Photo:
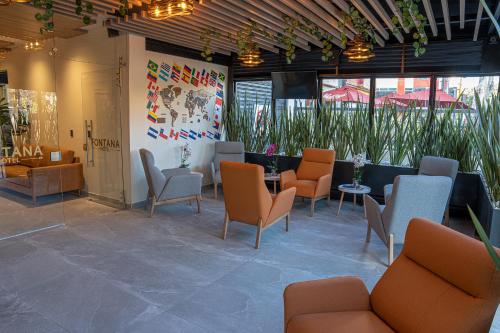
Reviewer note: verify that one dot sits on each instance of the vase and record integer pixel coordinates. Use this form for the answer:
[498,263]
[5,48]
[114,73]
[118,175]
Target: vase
[355,183]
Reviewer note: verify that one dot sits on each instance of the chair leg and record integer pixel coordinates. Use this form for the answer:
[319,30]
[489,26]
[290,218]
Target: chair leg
[368,233]
[198,199]
[287,221]
[391,249]
[226,224]
[148,195]
[259,233]
[312,207]
[153,202]
[215,191]
[447,217]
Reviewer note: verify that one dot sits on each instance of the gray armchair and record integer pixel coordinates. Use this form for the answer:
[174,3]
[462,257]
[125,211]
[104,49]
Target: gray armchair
[169,185]
[433,166]
[226,151]
[413,196]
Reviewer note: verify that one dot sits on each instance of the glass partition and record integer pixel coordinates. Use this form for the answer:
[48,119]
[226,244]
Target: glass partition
[460,90]
[350,92]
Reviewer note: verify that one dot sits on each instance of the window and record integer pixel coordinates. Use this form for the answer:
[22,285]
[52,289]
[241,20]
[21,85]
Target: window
[254,94]
[348,92]
[402,91]
[449,89]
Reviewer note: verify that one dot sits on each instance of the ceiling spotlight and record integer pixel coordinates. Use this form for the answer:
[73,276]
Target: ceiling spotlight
[33,45]
[358,50]
[163,9]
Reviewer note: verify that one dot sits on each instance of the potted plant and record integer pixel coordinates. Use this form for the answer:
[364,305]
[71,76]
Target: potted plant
[185,155]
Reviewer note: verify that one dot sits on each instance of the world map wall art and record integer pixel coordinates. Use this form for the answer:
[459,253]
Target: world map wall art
[183,102]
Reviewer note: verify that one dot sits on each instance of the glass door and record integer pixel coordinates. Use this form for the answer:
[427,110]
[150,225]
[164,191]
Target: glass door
[103,163]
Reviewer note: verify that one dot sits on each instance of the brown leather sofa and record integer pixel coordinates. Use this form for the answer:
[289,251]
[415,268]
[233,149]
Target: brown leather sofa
[38,175]
[443,281]
[247,199]
[313,179]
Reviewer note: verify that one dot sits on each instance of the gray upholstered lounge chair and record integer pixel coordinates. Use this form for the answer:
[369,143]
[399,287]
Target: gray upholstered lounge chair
[226,151]
[413,196]
[169,185]
[433,166]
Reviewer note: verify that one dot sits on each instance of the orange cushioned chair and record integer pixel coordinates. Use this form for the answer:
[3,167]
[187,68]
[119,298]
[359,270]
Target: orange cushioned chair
[248,200]
[443,281]
[314,176]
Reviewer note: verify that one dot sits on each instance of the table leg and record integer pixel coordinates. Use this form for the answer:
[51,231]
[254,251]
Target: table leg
[274,182]
[340,203]
[364,206]
[354,201]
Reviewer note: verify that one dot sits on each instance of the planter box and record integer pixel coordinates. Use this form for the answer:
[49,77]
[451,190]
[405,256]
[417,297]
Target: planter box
[468,189]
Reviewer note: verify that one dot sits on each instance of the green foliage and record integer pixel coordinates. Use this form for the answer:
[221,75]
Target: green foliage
[362,26]
[484,238]
[123,7]
[206,37]
[84,10]
[358,128]
[5,119]
[379,134]
[486,139]
[410,13]
[46,16]
[399,141]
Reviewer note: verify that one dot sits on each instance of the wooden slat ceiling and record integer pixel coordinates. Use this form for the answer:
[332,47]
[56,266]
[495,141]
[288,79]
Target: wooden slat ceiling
[446,19]
[18,21]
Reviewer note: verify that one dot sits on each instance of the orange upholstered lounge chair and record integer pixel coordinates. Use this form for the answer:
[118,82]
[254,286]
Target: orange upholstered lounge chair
[314,176]
[443,281]
[248,200]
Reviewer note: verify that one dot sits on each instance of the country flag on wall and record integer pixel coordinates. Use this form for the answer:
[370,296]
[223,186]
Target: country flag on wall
[216,124]
[165,71]
[152,66]
[218,101]
[202,134]
[192,134]
[184,134]
[152,77]
[186,74]
[210,135]
[152,117]
[204,77]
[176,73]
[220,93]
[195,77]
[217,136]
[213,78]
[174,134]
[162,134]
[222,77]
[153,133]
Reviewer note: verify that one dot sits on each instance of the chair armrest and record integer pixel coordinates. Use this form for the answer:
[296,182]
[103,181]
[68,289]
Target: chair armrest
[286,177]
[326,295]
[323,185]
[175,172]
[374,216]
[182,186]
[282,204]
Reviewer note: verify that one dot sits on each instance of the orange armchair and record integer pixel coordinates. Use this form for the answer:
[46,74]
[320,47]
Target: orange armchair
[314,176]
[247,199]
[443,281]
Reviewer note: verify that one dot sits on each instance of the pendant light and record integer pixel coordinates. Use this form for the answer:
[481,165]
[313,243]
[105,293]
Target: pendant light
[358,50]
[34,45]
[250,57]
[163,9]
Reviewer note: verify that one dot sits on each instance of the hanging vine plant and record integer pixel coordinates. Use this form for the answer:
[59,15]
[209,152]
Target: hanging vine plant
[84,10]
[46,16]
[288,38]
[206,37]
[361,24]
[409,10]
[123,7]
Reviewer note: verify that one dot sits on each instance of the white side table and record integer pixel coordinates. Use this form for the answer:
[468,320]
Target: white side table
[349,188]
[272,178]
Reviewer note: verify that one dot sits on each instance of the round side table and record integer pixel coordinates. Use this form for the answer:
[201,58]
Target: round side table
[349,188]
[272,178]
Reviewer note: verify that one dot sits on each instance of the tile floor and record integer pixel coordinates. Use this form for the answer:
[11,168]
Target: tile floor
[119,271]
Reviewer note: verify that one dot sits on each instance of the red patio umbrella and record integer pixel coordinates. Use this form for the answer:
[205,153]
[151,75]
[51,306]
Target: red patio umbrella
[388,99]
[421,98]
[346,94]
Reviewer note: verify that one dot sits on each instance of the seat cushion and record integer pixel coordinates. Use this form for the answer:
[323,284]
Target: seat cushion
[338,322]
[17,170]
[305,188]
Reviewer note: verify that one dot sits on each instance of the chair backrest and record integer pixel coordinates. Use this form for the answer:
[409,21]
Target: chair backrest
[443,281]
[246,196]
[155,178]
[316,163]
[415,196]
[228,151]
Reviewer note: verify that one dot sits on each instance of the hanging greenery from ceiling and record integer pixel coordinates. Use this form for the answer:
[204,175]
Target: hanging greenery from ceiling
[360,24]
[46,16]
[410,14]
[288,37]
[84,10]
[123,7]
[206,38]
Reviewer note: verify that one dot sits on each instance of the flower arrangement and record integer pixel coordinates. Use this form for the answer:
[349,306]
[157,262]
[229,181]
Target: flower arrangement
[359,162]
[185,155]
[271,149]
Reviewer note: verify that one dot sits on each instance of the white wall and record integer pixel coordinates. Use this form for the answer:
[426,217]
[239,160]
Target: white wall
[166,152]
